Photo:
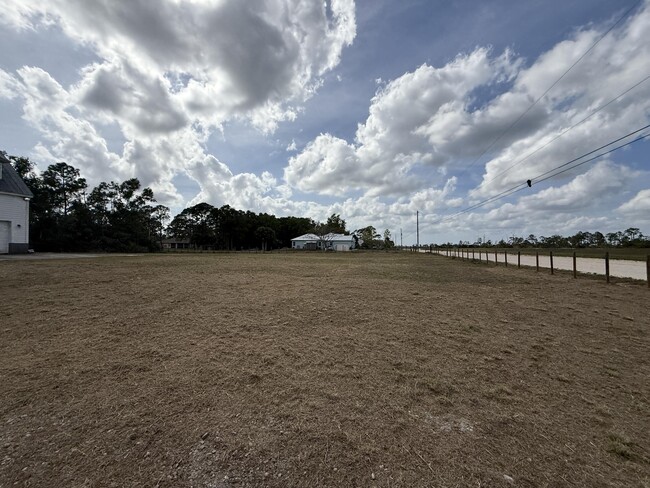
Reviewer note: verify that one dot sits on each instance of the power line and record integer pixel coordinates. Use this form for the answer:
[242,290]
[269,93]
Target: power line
[644,136]
[568,129]
[548,174]
[551,173]
[498,138]
[595,150]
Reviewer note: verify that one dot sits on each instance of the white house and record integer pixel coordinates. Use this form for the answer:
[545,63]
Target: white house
[14,210]
[335,242]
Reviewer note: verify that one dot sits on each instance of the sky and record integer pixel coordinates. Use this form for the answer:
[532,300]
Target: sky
[374,110]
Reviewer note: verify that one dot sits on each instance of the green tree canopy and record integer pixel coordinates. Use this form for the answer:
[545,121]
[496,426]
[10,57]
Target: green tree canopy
[63,185]
[335,224]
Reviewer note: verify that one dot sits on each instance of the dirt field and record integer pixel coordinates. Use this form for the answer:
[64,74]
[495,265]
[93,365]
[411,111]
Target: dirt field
[319,370]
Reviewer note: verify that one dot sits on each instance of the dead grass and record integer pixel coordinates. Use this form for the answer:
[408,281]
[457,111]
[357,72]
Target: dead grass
[319,370]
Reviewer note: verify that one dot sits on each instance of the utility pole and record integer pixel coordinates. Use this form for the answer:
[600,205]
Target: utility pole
[401,242]
[417,223]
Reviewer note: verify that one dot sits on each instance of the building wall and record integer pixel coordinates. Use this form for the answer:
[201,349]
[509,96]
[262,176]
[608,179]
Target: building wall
[15,210]
[342,245]
[301,244]
[335,244]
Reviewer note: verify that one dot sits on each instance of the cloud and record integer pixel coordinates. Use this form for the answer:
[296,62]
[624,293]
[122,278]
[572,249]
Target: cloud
[139,101]
[45,107]
[637,207]
[585,202]
[9,85]
[170,74]
[250,59]
[401,131]
[167,75]
[594,188]
[292,146]
[618,62]
[326,161]
[446,117]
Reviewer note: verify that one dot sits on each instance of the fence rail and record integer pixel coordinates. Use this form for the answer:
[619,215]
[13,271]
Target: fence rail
[620,268]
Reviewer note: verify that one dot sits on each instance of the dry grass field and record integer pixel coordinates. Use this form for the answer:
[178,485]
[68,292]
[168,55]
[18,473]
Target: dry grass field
[298,370]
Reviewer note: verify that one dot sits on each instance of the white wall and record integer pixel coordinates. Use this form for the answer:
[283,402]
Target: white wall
[301,244]
[16,210]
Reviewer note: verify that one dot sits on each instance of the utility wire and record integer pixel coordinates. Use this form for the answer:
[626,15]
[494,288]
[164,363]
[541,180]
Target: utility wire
[551,173]
[523,185]
[538,179]
[567,130]
[498,138]
[595,150]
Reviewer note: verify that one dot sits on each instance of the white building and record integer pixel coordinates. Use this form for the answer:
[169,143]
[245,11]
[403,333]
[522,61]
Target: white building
[334,242]
[14,210]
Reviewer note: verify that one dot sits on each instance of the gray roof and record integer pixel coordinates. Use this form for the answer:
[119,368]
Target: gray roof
[306,237]
[10,182]
[327,237]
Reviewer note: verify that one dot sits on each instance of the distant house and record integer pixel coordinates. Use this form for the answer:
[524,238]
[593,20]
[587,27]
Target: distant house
[334,242]
[14,210]
[174,243]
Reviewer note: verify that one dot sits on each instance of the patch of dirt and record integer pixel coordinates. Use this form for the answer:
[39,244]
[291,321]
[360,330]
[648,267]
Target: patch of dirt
[309,369]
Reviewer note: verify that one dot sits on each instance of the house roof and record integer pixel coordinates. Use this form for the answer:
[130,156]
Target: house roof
[170,240]
[326,237]
[10,182]
[306,237]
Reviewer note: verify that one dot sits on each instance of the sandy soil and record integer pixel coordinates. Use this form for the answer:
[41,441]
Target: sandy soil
[319,370]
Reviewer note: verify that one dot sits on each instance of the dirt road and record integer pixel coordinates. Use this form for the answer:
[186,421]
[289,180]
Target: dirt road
[621,268]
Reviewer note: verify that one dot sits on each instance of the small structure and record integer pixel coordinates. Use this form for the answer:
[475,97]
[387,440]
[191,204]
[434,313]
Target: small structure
[331,241]
[14,210]
[176,243]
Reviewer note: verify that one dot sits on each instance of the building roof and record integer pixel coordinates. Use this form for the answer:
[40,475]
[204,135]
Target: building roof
[327,237]
[10,182]
[176,240]
[306,237]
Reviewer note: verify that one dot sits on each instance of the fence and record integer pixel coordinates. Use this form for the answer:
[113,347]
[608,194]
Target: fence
[602,266]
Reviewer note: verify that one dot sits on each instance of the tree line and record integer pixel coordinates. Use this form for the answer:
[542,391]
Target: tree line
[204,226]
[631,237]
[65,216]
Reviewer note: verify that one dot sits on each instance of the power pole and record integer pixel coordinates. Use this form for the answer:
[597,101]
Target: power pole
[401,242]
[417,223]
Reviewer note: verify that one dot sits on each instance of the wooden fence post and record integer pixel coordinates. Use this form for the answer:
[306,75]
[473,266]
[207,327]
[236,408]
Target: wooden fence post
[607,266]
[647,269]
[537,261]
[575,267]
[550,255]
[506,258]
[518,259]
[496,258]
[472,254]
